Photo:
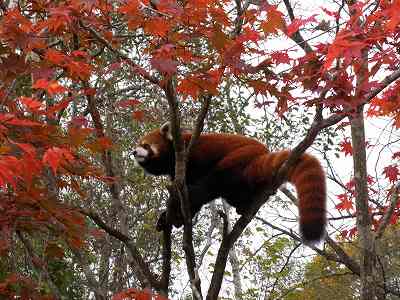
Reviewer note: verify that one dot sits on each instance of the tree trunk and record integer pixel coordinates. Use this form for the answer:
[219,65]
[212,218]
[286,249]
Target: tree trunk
[367,249]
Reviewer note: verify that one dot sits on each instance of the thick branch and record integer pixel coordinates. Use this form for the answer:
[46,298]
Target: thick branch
[180,188]
[166,260]
[297,37]
[343,256]
[199,123]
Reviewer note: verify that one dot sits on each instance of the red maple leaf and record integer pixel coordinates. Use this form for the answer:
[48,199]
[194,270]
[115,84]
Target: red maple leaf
[79,69]
[391,172]
[346,147]
[9,170]
[188,87]
[345,203]
[138,115]
[51,87]
[56,57]
[164,65]
[128,103]
[344,46]
[297,23]
[274,20]
[54,156]
[396,155]
[280,57]
[58,107]
[31,104]
[157,26]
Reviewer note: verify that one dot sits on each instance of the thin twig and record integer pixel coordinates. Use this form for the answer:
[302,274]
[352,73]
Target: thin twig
[385,220]
[120,54]
[39,265]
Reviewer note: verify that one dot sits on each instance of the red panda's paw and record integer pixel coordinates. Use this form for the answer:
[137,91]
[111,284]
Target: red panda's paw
[166,220]
[162,223]
[175,218]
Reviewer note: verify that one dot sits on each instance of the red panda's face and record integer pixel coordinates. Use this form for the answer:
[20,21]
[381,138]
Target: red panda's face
[154,152]
[146,150]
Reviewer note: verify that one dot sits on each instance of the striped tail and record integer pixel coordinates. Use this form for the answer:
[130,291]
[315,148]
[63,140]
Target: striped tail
[309,179]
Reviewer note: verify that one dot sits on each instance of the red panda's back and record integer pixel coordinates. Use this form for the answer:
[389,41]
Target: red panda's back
[216,146]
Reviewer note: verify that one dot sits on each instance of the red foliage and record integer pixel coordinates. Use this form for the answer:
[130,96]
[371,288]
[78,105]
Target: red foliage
[346,147]
[18,287]
[345,203]
[391,172]
[297,23]
[48,58]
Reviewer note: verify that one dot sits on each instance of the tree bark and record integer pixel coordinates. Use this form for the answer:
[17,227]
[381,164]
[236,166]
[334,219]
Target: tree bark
[234,260]
[367,248]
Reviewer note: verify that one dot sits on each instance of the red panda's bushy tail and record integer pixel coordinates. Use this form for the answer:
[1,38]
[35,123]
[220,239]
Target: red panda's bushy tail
[308,177]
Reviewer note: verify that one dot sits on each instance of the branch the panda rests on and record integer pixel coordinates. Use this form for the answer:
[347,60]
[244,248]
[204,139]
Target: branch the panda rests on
[236,168]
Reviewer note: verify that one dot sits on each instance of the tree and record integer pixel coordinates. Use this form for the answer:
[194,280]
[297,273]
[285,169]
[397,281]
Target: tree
[80,80]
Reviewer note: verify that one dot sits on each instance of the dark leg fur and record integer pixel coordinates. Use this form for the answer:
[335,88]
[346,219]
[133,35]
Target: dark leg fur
[199,194]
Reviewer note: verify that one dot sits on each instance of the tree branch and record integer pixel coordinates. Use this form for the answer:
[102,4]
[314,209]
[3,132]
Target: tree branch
[145,276]
[119,54]
[297,37]
[385,220]
[199,123]
[341,256]
[39,264]
[166,259]
[180,189]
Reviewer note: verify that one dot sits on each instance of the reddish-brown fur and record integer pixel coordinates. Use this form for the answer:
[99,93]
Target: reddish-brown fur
[236,168]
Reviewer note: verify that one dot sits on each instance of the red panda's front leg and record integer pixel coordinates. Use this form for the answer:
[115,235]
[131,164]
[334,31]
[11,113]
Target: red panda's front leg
[198,194]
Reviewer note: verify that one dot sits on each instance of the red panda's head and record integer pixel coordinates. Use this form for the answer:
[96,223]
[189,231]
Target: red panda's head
[155,151]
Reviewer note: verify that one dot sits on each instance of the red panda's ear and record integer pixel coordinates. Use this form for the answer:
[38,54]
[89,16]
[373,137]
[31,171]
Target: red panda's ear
[165,130]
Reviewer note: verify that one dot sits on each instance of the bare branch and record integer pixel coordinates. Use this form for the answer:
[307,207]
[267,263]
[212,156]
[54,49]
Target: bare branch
[289,256]
[145,276]
[233,258]
[199,123]
[98,290]
[208,235]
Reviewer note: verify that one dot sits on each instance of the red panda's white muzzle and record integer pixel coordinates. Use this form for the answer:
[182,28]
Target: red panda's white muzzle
[141,154]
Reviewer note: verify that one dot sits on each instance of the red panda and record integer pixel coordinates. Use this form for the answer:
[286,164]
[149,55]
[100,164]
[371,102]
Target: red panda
[235,168]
